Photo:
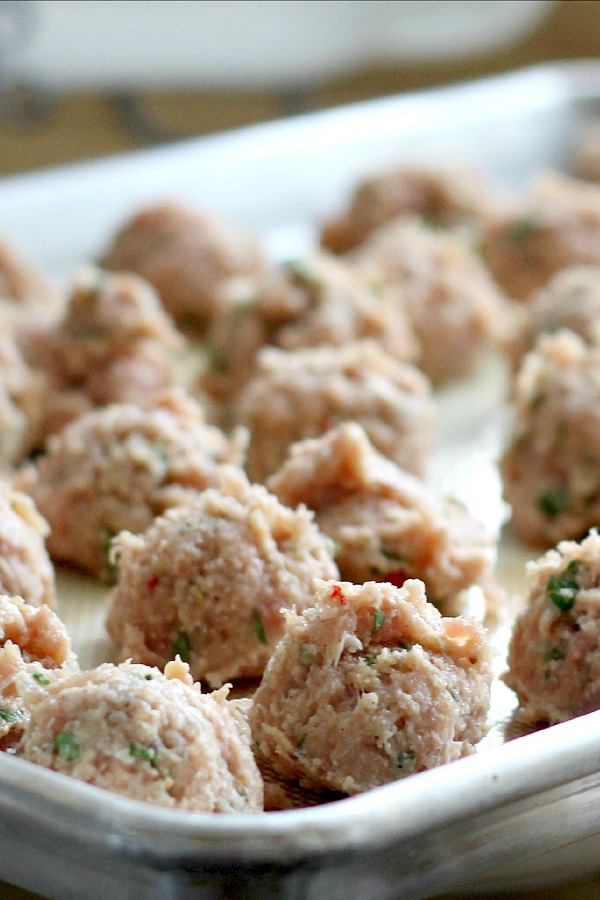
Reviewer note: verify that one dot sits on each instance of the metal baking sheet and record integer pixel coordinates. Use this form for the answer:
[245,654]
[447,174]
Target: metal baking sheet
[518,814]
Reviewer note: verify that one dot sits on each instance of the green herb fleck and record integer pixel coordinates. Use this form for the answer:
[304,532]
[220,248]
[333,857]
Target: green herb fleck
[305,655]
[563,588]
[181,646]
[522,229]
[41,678]
[302,274]
[258,627]
[390,554]
[301,741]
[369,660]
[554,653]
[553,502]
[406,759]
[10,715]
[148,754]
[107,535]
[216,359]
[66,746]
[404,645]
[378,620]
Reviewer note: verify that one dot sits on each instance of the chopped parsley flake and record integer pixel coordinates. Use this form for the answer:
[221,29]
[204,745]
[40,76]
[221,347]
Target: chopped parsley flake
[406,760]
[378,620]
[522,229]
[563,588]
[10,715]
[553,502]
[258,627]
[41,678]
[369,660]
[181,647]
[66,746]
[216,359]
[301,741]
[138,751]
[305,655]
[554,653]
[112,561]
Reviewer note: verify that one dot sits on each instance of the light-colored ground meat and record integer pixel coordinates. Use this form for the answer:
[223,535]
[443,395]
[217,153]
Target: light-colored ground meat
[132,730]
[585,159]
[25,567]
[554,655]
[187,254]
[370,684]
[113,344]
[444,198]
[20,282]
[386,524]
[118,467]
[557,228]
[571,299]
[315,301]
[456,310]
[35,651]
[21,400]
[303,393]
[550,465]
[208,581]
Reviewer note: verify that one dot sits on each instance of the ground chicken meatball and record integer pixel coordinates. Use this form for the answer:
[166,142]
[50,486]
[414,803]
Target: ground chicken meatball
[386,524]
[559,227]
[554,654]
[187,255]
[20,282]
[118,467]
[303,393]
[549,467]
[443,198]
[112,345]
[35,651]
[456,310]
[208,580]
[315,301]
[370,684]
[132,730]
[571,299]
[25,567]
[585,163]
[21,393]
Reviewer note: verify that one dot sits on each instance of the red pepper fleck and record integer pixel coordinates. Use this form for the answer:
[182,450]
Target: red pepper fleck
[338,594]
[152,582]
[396,578]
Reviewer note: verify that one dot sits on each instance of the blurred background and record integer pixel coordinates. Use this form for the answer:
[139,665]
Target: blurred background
[85,79]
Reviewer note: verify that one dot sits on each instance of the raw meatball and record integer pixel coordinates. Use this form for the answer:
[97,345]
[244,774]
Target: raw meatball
[456,310]
[550,465]
[386,524]
[21,392]
[586,153]
[25,567]
[314,301]
[443,198]
[112,345]
[187,255]
[571,299]
[132,730]
[559,227]
[20,282]
[34,652]
[370,684]
[208,580]
[118,467]
[554,654]
[303,393]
